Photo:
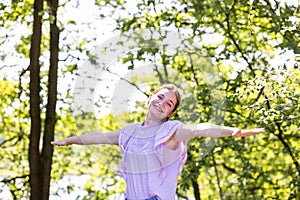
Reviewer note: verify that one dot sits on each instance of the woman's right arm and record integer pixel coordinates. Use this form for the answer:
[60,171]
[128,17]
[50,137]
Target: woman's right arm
[90,138]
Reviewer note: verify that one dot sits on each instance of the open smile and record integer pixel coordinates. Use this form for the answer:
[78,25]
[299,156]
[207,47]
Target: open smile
[158,108]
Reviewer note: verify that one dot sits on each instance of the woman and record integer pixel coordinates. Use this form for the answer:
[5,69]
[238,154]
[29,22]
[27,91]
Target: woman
[155,151]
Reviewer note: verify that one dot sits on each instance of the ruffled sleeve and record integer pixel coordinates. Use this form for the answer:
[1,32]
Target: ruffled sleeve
[166,155]
[171,162]
[168,130]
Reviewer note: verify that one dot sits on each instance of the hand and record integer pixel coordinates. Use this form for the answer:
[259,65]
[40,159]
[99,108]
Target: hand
[243,133]
[64,142]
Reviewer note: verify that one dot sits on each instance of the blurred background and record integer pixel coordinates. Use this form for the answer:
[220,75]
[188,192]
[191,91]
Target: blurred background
[64,66]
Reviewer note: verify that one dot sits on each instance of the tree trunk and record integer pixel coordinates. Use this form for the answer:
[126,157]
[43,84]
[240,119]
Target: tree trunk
[50,121]
[40,163]
[34,86]
[196,189]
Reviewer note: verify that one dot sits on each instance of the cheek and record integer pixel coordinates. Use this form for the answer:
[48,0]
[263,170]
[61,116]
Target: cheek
[150,100]
[170,110]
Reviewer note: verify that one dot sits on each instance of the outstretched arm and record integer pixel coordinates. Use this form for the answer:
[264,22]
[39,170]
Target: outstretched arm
[190,131]
[90,138]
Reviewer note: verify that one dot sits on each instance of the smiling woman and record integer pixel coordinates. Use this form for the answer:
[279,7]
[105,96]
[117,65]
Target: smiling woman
[155,150]
[165,99]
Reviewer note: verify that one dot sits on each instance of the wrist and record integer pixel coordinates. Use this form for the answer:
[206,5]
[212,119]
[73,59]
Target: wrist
[235,132]
[72,140]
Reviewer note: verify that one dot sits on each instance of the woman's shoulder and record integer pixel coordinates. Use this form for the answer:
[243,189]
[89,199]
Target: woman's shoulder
[171,123]
[167,131]
[129,128]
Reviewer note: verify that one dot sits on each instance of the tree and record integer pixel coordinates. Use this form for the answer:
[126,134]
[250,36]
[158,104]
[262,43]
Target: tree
[35,131]
[43,96]
[40,162]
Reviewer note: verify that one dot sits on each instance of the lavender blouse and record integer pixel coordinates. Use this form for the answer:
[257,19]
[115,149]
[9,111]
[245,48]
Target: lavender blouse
[149,167]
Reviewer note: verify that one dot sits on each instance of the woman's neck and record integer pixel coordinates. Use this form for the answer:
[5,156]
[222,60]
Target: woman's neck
[152,120]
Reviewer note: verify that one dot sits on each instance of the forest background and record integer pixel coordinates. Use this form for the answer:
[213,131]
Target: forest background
[237,63]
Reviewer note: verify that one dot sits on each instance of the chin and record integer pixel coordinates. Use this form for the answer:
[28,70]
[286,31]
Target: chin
[157,115]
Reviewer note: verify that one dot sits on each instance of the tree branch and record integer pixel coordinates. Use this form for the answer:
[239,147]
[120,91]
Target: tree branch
[8,180]
[217,175]
[236,44]
[127,81]
[193,71]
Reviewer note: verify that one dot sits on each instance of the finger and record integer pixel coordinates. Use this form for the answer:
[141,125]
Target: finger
[57,144]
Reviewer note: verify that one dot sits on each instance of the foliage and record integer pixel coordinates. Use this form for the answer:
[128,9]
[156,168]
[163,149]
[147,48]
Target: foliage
[242,39]
[238,42]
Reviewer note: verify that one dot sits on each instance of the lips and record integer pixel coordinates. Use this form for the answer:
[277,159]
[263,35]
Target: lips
[157,107]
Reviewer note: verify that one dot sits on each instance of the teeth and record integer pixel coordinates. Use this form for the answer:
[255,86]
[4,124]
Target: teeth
[158,108]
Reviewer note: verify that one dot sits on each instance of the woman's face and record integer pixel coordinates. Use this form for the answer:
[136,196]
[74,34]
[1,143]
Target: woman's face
[162,103]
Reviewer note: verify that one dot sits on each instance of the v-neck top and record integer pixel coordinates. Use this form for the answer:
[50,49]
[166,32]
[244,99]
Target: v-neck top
[149,167]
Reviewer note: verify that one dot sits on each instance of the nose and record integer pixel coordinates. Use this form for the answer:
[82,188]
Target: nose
[162,103]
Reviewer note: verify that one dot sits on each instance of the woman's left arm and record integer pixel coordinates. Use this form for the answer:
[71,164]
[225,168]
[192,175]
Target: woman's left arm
[189,131]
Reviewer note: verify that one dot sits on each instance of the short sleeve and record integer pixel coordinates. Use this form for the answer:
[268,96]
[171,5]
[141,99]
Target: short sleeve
[168,130]
[166,155]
